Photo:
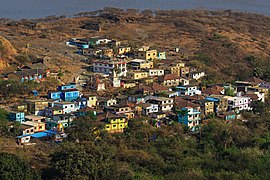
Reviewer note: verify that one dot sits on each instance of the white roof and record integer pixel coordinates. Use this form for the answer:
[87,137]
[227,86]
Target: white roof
[138,60]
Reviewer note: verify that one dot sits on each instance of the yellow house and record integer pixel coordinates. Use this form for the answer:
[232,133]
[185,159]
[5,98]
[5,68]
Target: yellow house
[21,107]
[129,84]
[159,115]
[137,75]
[116,124]
[171,67]
[207,107]
[38,126]
[147,55]
[123,50]
[107,51]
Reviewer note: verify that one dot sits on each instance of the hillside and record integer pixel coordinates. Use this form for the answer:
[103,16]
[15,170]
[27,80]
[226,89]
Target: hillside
[220,42]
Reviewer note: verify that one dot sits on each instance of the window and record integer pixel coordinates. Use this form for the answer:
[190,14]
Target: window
[114,125]
[65,106]
[40,127]
[71,105]
[32,130]
[107,126]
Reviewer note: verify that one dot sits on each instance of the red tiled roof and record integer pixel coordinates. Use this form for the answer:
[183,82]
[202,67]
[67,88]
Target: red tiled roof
[159,87]
[170,77]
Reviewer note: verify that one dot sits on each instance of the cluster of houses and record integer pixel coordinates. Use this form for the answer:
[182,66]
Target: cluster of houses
[143,84]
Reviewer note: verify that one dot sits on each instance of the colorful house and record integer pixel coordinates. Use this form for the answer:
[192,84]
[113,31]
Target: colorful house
[137,64]
[66,92]
[17,116]
[29,75]
[51,111]
[189,116]
[135,75]
[37,126]
[116,124]
[147,55]
[207,106]
[228,116]
[123,49]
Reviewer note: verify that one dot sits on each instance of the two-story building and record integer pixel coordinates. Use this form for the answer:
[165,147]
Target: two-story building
[137,64]
[207,107]
[37,106]
[66,92]
[114,123]
[148,54]
[123,49]
[164,104]
[17,116]
[110,67]
[239,103]
[189,117]
[187,90]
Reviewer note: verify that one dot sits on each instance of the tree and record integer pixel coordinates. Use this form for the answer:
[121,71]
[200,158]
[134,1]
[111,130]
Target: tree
[12,167]
[77,161]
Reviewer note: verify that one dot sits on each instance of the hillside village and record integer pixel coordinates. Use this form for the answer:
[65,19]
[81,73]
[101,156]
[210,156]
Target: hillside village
[123,83]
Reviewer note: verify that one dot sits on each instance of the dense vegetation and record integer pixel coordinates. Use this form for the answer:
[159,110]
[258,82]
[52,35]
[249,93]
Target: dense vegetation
[219,151]
[236,150]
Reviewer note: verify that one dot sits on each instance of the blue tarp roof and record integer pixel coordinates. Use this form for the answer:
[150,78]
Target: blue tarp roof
[40,134]
[212,99]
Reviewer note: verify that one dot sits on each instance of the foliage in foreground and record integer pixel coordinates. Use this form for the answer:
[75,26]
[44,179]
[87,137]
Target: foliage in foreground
[218,151]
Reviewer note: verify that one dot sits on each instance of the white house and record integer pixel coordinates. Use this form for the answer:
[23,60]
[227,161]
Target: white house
[108,66]
[164,104]
[148,108]
[156,72]
[196,74]
[239,103]
[68,107]
[187,90]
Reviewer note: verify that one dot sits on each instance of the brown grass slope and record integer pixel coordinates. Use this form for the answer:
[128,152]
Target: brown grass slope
[216,41]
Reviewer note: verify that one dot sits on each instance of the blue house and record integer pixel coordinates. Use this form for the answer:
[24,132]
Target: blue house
[65,92]
[70,95]
[228,116]
[54,95]
[66,87]
[17,116]
[189,117]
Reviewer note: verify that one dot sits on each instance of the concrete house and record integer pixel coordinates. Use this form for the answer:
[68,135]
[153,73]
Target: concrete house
[239,103]
[17,116]
[189,117]
[187,90]
[164,104]
[170,80]
[123,49]
[155,72]
[37,107]
[135,75]
[110,66]
[148,108]
[137,64]
[147,55]
[207,107]
[196,75]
